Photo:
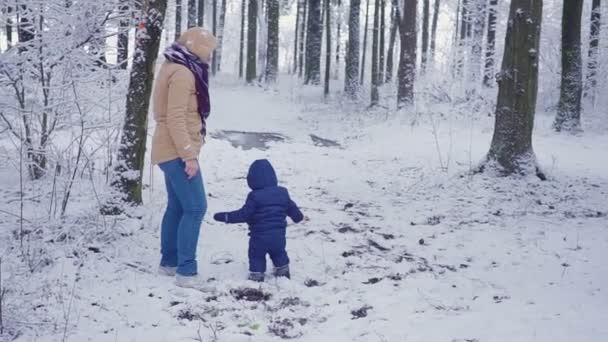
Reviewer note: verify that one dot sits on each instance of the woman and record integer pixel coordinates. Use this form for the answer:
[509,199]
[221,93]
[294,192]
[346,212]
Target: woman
[181,106]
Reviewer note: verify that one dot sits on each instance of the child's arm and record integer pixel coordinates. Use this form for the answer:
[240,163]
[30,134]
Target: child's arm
[294,212]
[242,215]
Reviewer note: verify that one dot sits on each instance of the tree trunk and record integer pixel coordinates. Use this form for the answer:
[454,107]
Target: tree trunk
[351,83]
[382,57]
[242,41]
[375,95]
[488,75]
[191,13]
[178,18]
[132,150]
[511,149]
[594,43]
[478,15]
[201,13]
[220,46]
[214,30]
[303,36]
[9,26]
[434,27]
[296,36]
[313,43]
[391,43]
[272,53]
[327,48]
[462,37]
[252,34]
[569,108]
[407,54]
[425,35]
[365,29]
[123,37]
[338,36]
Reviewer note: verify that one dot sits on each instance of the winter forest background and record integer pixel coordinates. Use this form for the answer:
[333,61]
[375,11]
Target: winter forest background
[451,156]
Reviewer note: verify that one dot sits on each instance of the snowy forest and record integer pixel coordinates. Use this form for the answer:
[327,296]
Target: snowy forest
[449,159]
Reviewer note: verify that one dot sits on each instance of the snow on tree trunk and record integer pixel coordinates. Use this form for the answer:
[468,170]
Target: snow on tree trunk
[132,150]
[569,107]
[375,95]
[488,75]
[8,12]
[462,25]
[425,35]
[390,60]
[220,46]
[351,82]
[434,28]
[242,40]
[407,54]
[511,148]
[296,35]
[478,17]
[252,34]
[365,31]
[272,53]
[594,43]
[303,36]
[123,36]
[191,13]
[313,43]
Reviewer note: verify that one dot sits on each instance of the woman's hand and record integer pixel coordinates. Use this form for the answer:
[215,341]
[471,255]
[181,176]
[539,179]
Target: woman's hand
[191,168]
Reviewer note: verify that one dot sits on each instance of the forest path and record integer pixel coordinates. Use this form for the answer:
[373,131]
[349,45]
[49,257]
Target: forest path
[397,249]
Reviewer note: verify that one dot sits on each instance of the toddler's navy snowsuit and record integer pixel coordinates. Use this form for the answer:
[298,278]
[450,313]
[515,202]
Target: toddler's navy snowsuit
[265,212]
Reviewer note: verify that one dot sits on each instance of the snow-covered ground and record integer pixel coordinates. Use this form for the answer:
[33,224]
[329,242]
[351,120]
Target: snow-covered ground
[403,244]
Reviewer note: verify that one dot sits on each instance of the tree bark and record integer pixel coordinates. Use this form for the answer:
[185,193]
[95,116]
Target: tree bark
[478,16]
[407,54]
[296,36]
[214,30]
[488,75]
[242,41]
[191,13]
[327,48]
[569,108]
[131,153]
[425,35]
[511,149]
[201,13]
[313,43]
[303,36]
[9,26]
[434,28]
[338,36]
[391,43]
[594,43]
[375,95]
[272,52]
[462,37]
[252,33]
[382,57]
[178,19]
[365,31]
[351,83]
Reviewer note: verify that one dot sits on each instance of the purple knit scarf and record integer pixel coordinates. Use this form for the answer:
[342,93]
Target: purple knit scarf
[178,54]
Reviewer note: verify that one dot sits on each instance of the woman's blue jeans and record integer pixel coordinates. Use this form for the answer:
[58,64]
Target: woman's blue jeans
[186,207]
